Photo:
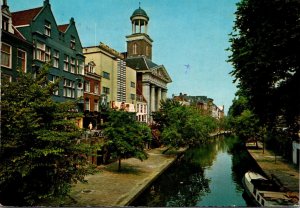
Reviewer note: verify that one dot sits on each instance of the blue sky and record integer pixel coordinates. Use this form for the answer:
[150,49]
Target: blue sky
[185,32]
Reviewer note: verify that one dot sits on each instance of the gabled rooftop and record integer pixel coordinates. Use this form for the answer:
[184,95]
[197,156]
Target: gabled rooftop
[25,17]
[63,28]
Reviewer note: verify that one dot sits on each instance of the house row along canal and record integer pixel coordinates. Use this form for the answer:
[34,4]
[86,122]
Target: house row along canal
[210,175]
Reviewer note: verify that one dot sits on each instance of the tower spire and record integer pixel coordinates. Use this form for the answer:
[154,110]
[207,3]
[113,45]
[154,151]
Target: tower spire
[139,4]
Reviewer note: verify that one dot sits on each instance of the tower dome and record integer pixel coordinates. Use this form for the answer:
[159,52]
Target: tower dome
[139,13]
[139,20]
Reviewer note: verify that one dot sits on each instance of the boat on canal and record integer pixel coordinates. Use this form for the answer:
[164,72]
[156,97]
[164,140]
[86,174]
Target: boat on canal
[264,192]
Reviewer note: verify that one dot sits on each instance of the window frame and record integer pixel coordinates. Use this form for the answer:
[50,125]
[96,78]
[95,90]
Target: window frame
[73,65]
[40,50]
[96,88]
[69,88]
[9,55]
[47,54]
[96,105]
[56,59]
[132,84]
[106,90]
[87,86]
[25,59]
[66,63]
[47,28]
[87,104]
[106,75]
[73,42]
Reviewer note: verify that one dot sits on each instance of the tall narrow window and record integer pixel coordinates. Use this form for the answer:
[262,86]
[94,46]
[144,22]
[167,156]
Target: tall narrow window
[134,51]
[47,30]
[52,79]
[66,63]
[56,59]
[6,55]
[40,51]
[79,90]
[80,67]
[147,50]
[73,65]
[96,88]
[48,54]
[72,42]
[96,105]
[87,104]
[87,86]
[22,60]
[5,23]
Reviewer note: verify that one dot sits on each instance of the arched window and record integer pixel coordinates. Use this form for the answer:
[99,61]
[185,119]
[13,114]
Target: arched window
[134,51]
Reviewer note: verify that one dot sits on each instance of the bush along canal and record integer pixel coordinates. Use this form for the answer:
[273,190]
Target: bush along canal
[210,175]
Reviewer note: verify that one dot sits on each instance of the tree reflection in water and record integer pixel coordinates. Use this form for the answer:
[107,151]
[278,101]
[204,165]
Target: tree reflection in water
[186,184]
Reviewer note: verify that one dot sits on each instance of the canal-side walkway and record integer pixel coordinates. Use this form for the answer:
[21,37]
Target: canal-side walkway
[275,167]
[112,188]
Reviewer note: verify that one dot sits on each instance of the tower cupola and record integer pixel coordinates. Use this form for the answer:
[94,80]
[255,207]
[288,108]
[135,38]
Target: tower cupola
[139,20]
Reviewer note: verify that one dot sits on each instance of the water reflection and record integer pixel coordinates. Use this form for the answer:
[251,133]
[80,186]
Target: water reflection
[209,175]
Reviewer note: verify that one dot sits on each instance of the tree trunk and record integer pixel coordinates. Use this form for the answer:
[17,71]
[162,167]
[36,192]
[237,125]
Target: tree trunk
[119,167]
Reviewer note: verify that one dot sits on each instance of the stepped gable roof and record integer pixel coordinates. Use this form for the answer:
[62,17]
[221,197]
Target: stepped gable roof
[63,28]
[25,17]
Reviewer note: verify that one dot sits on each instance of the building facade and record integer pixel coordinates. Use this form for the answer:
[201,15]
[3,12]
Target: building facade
[118,83]
[152,79]
[16,51]
[91,98]
[57,44]
[203,104]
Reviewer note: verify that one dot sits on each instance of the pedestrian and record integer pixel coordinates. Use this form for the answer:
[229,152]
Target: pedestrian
[90,126]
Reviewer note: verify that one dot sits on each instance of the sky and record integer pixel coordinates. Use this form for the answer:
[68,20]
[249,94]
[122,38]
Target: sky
[190,37]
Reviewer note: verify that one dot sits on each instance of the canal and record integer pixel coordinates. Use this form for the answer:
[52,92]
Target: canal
[209,175]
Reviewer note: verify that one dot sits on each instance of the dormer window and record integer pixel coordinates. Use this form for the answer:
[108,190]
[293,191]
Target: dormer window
[72,43]
[5,23]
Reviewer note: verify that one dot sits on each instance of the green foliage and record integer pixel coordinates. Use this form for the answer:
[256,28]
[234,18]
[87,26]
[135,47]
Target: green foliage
[39,151]
[182,125]
[246,124]
[126,137]
[265,56]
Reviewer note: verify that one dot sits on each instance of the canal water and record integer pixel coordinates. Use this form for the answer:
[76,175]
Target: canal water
[209,175]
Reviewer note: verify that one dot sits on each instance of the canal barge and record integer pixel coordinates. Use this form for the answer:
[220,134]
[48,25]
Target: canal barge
[264,192]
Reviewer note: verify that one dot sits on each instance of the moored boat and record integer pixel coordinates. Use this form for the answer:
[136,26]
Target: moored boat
[264,192]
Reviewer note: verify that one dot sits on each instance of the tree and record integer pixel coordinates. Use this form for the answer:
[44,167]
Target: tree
[39,151]
[182,126]
[125,136]
[265,56]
